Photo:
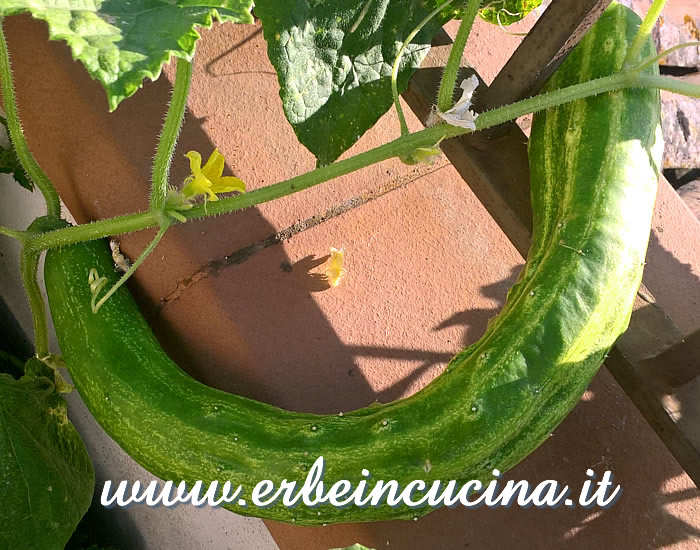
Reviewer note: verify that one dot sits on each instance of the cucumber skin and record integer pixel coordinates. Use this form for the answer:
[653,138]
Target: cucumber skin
[522,378]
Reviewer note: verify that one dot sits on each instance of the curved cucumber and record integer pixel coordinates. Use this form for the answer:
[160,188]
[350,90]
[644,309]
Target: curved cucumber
[594,173]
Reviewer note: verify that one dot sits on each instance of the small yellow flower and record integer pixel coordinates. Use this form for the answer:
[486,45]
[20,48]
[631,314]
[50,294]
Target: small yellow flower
[335,271]
[207,180]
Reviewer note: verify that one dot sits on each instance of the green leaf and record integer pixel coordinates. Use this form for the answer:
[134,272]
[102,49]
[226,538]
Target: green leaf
[507,12]
[334,60]
[47,477]
[9,163]
[121,42]
[356,546]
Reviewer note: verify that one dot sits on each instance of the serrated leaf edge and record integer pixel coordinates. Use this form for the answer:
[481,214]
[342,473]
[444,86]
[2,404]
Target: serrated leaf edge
[152,71]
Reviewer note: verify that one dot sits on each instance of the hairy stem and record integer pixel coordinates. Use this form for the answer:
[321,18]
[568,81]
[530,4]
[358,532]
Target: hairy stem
[29,264]
[21,236]
[397,148]
[14,127]
[407,144]
[454,61]
[397,63]
[94,230]
[169,135]
[555,97]
[643,33]
[649,62]
[670,84]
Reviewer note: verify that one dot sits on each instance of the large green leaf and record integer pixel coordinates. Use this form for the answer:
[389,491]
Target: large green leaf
[46,475]
[334,61]
[121,42]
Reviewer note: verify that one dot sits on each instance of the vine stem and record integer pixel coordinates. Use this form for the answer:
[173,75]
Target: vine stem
[94,230]
[666,53]
[397,63]
[397,148]
[454,61]
[21,236]
[14,127]
[169,135]
[29,265]
[150,248]
[670,84]
[643,33]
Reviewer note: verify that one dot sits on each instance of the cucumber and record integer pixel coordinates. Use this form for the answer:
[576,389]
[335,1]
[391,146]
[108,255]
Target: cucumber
[594,169]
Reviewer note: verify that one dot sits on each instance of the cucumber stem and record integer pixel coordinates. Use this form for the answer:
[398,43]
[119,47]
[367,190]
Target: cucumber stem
[650,61]
[169,135]
[397,63]
[14,128]
[29,265]
[407,144]
[669,84]
[643,33]
[93,230]
[397,148]
[454,61]
[21,236]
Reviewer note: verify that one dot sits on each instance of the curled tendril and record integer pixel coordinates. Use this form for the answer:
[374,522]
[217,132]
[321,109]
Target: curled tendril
[498,19]
[96,283]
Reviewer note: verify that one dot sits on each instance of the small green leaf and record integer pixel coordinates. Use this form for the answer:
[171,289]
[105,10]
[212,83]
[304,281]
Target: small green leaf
[9,163]
[356,546]
[47,477]
[334,60]
[507,12]
[121,42]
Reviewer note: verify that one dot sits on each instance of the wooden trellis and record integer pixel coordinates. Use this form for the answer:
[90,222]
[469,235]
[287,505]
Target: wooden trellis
[654,364]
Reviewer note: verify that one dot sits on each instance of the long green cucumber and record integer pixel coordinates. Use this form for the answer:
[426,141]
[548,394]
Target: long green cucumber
[594,169]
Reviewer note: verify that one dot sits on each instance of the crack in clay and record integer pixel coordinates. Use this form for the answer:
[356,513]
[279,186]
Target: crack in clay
[214,267]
